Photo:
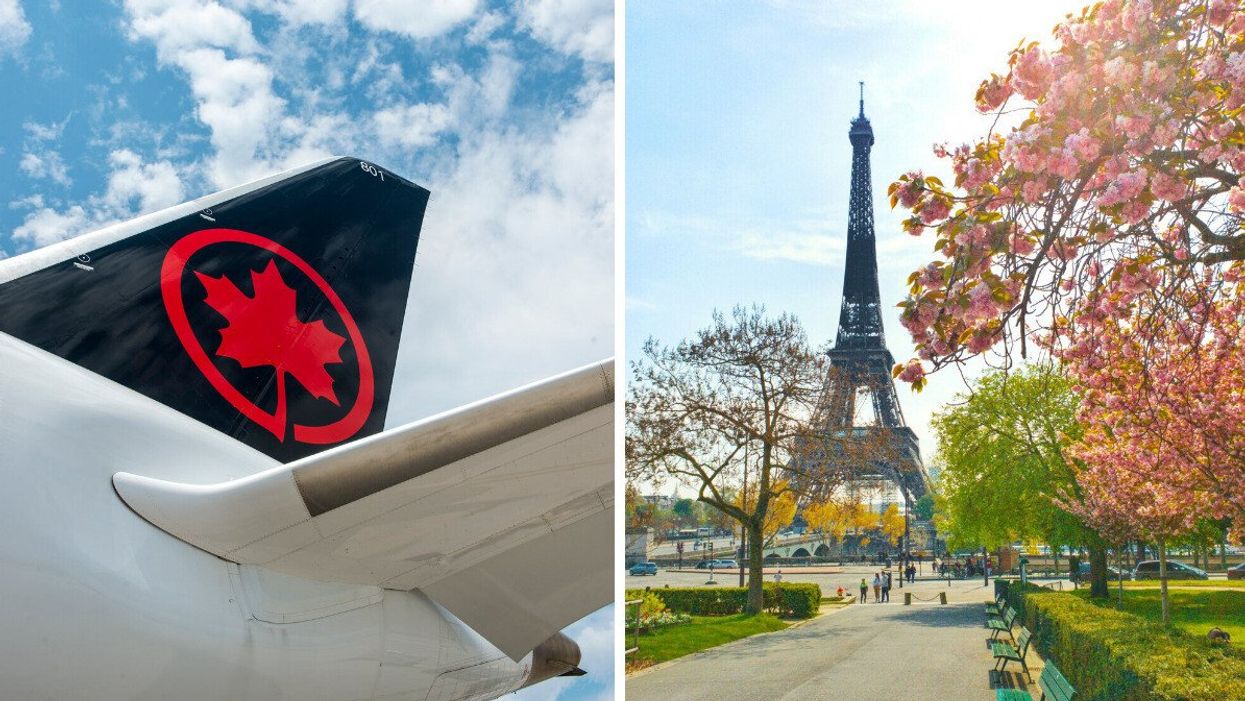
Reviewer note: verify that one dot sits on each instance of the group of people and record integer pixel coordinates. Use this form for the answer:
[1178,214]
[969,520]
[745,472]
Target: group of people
[881,588]
[968,567]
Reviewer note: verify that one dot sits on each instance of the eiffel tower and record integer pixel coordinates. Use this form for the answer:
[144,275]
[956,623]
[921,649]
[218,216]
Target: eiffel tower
[858,399]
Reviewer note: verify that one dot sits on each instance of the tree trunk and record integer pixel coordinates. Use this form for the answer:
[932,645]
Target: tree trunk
[1098,588]
[756,574]
[1122,549]
[1163,581]
[985,566]
[1223,549]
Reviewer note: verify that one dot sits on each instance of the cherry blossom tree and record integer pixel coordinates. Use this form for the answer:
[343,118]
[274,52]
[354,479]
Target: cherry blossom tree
[1127,162]
[1106,227]
[1162,403]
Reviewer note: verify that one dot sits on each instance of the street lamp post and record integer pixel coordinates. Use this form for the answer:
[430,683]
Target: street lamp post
[743,552]
[903,561]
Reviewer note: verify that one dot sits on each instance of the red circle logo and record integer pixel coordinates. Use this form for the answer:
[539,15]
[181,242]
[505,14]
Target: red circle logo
[263,330]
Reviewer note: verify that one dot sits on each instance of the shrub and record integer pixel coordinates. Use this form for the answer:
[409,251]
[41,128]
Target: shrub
[798,600]
[651,606]
[1110,655]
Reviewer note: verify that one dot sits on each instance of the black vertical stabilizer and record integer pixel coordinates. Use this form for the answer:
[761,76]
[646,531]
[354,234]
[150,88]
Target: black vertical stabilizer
[273,315]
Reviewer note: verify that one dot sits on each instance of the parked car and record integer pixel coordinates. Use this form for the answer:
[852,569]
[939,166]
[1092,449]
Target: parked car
[1149,569]
[717,565]
[642,568]
[1237,572]
[1113,573]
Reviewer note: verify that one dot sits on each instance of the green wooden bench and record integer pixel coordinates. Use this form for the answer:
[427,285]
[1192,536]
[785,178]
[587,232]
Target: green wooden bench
[995,608]
[1052,682]
[1006,652]
[1002,625]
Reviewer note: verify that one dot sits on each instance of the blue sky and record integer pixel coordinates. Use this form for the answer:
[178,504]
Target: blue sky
[506,112]
[738,162]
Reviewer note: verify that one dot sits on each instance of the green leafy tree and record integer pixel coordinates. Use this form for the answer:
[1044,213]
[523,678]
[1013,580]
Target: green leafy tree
[685,513]
[1006,473]
[924,508]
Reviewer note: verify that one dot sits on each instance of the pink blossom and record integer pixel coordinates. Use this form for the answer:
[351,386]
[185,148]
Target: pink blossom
[993,92]
[1022,245]
[935,210]
[1124,188]
[912,372]
[1118,70]
[1083,145]
[1032,73]
[910,191]
[1236,199]
[1135,211]
[1166,187]
[1219,11]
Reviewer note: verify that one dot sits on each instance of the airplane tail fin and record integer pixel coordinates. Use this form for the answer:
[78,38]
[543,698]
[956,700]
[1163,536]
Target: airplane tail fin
[271,312]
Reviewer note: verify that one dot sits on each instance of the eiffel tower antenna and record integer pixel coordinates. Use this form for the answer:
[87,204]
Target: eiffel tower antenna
[862,99]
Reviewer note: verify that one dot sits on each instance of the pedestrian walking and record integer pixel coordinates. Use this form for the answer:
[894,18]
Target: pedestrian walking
[886,586]
[877,587]
[778,577]
[864,591]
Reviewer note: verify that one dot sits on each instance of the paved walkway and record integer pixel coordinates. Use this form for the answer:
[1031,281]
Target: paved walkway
[865,652]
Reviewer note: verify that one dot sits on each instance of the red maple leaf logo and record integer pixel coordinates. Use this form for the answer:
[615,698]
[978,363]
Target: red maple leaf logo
[265,330]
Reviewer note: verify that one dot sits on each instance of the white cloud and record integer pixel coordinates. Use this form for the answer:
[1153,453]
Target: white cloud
[810,241]
[795,246]
[234,95]
[134,187]
[176,25]
[297,12]
[418,20]
[137,187]
[48,166]
[583,27]
[14,29]
[236,101]
[45,132]
[514,277]
[411,126]
[45,226]
[484,27]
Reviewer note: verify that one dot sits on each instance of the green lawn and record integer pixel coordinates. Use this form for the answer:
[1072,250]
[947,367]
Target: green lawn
[1185,583]
[1195,611]
[703,632]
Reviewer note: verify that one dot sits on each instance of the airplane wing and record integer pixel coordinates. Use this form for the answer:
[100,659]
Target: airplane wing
[501,510]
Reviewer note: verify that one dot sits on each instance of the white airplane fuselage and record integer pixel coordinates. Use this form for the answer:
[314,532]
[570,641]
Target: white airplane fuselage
[97,603]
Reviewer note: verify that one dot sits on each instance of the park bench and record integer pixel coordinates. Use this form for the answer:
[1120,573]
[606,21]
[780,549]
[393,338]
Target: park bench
[1007,652]
[1052,682]
[995,608]
[1002,625]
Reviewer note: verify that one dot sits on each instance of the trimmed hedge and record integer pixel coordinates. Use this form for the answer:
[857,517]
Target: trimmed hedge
[795,600]
[1109,655]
